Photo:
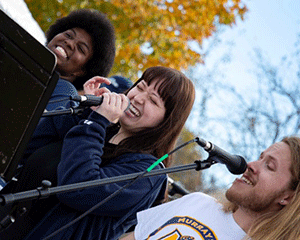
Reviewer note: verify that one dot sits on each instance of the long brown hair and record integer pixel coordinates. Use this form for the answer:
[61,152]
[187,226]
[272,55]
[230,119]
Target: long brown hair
[178,93]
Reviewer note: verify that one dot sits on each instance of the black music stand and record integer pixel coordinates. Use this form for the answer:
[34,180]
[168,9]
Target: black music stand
[27,79]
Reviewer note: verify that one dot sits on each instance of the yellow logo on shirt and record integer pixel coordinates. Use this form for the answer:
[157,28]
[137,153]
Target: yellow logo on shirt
[186,228]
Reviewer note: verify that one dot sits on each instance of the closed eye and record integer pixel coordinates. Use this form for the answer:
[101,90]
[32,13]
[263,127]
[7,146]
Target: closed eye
[70,33]
[153,101]
[81,49]
[139,87]
[270,165]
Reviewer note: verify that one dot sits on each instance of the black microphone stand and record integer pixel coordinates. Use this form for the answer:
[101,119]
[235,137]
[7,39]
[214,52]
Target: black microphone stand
[45,190]
[69,111]
[84,102]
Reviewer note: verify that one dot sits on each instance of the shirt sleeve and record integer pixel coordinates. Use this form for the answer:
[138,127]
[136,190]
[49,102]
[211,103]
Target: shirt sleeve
[60,98]
[81,162]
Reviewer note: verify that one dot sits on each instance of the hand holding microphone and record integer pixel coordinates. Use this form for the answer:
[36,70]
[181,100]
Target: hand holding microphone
[93,92]
[113,106]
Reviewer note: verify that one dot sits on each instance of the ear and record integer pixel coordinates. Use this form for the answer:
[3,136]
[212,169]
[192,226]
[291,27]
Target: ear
[286,198]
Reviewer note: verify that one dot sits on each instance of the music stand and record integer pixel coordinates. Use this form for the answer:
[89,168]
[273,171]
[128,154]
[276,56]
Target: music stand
[27,79]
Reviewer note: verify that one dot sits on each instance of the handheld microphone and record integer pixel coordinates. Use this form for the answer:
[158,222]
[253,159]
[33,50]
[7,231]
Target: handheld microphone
[88,100]
[91,100]
[234,163]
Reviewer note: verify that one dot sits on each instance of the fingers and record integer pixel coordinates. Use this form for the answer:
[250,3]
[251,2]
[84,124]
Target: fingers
[96,81]
[125,102]
[92,85]
[102,90]
[113,106]
[116,100]
[128,103]
[89,86]
[99,80]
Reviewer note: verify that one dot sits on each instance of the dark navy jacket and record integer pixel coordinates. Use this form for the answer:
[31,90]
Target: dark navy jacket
[54,128]
[81,161]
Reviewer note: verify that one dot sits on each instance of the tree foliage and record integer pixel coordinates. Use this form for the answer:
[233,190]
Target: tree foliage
[188,155]
[154,32]
[150,32]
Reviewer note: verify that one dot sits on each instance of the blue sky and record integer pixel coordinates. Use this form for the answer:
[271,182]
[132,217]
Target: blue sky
[270,25]
[19,12]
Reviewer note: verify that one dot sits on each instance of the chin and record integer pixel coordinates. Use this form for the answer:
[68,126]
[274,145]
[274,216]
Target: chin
[232,192]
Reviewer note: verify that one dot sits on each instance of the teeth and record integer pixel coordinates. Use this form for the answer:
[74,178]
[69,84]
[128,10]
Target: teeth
[62,51]
[246,181]
[134,110]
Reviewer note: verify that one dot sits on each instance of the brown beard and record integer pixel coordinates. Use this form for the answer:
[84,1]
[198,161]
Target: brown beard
[252,202]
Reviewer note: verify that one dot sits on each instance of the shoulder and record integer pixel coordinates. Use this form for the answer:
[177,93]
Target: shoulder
[195,198]
[202,196]
[66,87]
[137,157]
[192,200]
[140,160]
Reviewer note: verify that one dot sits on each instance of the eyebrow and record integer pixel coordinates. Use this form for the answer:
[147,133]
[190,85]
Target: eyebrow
[156,95]
[146,85]
[273,158]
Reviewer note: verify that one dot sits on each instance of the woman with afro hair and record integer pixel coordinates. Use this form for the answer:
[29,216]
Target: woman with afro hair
[84,45]
[102,40]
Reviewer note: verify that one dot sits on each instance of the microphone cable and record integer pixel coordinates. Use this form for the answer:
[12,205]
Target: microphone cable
[118,191]
[60,100]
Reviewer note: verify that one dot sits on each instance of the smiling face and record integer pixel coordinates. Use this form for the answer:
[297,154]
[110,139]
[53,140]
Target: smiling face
[265,186]
[147,109]
[73,48]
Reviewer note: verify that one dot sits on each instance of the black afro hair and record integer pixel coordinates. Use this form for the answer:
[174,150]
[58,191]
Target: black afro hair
[102,31]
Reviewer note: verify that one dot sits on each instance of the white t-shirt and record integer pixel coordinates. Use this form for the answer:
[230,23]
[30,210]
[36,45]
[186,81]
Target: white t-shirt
[193,216]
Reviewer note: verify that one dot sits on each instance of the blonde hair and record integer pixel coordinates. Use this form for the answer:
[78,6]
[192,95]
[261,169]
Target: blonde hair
[284,224]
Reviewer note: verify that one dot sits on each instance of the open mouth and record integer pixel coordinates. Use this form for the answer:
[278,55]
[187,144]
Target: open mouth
[61,51]
[134,111]
[246,181]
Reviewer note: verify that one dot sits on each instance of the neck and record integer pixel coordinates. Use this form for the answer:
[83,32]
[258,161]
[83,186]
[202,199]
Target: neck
[245,218]
[119,136]
[68,78]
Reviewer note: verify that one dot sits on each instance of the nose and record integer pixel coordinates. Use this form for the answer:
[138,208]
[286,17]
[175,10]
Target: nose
[140,97]
[253,166]
[70,43]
